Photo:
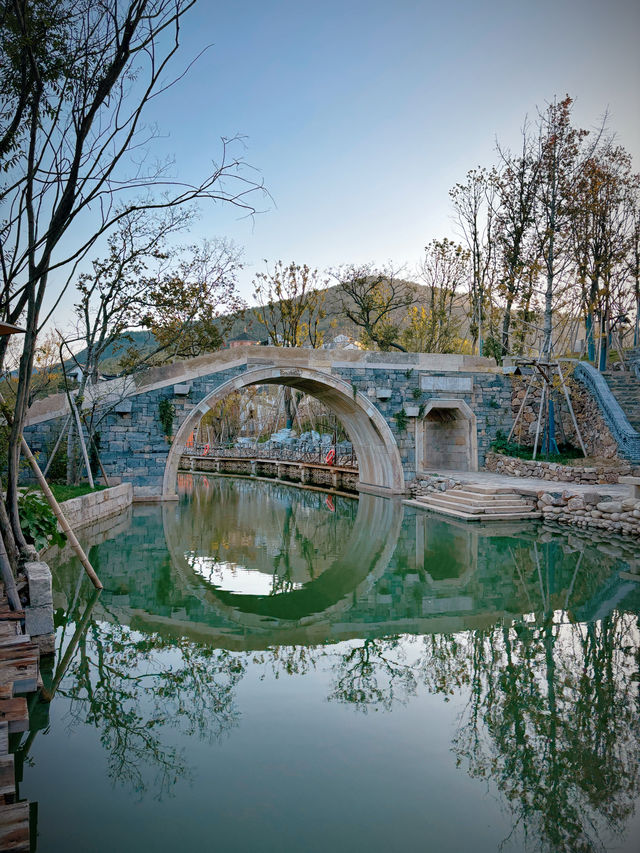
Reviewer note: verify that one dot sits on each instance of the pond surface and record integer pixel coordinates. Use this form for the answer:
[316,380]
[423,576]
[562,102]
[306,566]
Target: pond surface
[275,669]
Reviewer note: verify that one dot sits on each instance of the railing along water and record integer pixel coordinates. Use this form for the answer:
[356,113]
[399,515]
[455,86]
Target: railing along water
[319,455]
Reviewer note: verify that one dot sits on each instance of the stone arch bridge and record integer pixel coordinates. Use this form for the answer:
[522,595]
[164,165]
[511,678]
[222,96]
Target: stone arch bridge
[453,405]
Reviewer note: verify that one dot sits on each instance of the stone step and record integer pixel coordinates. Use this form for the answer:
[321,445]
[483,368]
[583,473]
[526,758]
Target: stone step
[472,500]
[465,516]
[505,497]
[486,489]
[472,509]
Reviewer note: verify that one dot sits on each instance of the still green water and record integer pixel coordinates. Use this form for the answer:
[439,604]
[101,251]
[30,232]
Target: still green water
[274,669]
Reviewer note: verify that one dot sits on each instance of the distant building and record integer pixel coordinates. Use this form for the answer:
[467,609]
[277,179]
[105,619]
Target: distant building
[342,342]
[243,339]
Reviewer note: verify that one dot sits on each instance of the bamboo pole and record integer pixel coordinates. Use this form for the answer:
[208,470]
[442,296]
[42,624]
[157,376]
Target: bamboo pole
[83,446]
[57,445]
[97,449]
[55,506]
[62,667]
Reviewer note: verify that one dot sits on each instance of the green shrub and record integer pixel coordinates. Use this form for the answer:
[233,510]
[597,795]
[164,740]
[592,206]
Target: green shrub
[38,522]
[567,453]
[401,420]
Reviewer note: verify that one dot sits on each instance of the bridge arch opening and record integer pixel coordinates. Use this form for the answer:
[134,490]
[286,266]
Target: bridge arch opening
[379,465]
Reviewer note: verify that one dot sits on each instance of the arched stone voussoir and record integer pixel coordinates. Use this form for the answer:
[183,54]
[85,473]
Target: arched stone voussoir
[380,467]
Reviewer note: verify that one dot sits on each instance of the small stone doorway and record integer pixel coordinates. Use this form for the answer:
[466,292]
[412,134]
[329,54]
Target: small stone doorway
[446,437]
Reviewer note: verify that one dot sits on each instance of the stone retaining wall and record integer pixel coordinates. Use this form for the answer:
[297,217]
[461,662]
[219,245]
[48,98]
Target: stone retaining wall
[514,467]
[592,511]
[88,509]
[432,483]
[596,435]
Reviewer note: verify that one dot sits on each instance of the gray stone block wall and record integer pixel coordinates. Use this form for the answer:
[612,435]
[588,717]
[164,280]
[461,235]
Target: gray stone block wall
[134,448]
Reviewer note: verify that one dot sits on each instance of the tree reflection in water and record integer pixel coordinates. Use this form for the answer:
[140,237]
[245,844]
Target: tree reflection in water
[130,686]
[551,717]
[544,676]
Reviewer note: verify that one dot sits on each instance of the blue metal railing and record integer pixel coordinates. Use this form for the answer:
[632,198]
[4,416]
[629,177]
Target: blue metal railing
[627,439]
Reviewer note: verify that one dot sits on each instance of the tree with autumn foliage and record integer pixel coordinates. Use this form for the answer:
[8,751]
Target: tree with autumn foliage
[291,304]
[76,79]
[603,232]
[435,324]
[374,300]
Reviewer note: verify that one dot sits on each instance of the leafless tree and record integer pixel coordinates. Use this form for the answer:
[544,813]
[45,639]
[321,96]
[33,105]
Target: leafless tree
[371,298]
[77,76]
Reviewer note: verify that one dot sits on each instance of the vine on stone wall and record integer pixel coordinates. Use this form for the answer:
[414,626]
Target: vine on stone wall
[166,413]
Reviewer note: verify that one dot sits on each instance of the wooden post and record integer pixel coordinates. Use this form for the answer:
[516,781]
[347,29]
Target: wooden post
[64,524]
[522,405]
[535,445]
[8,578]
[85,455]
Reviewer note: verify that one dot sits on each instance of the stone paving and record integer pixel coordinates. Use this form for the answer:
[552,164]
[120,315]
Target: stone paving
[533,485]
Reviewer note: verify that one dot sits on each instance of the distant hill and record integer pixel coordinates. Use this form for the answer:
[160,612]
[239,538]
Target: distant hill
[335,323]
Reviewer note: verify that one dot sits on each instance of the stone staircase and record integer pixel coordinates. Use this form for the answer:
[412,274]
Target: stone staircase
[625,387]
[479,503]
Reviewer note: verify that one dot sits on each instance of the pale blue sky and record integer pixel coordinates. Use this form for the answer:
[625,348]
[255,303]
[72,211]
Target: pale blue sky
[361,115]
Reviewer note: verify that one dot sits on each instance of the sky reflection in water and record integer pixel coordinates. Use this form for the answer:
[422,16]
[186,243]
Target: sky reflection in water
[266,670]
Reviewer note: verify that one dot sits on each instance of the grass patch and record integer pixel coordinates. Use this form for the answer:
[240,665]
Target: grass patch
[65,493]
[567,455]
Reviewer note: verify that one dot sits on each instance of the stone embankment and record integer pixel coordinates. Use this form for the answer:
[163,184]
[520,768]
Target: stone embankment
[87,509]
[587,475]
[591,510]
[435,483]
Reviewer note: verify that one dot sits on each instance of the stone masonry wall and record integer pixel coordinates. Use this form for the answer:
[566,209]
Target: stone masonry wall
[592,511]
[134,448]
[514,467]
[595,433]
[87,509]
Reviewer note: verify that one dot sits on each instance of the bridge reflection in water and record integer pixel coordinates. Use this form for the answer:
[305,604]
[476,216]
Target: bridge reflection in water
[252,564]
[535,631]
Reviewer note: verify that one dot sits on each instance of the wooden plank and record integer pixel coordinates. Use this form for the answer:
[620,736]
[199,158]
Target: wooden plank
[21,650]
[12,616]
[9,629]
[14,828]
[14,640]
[16,714]
[4,738]
[6,691]
[7,776]
[22,671]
